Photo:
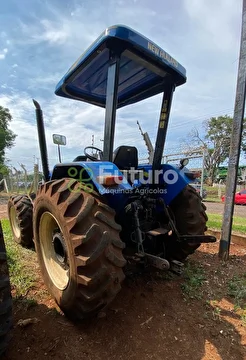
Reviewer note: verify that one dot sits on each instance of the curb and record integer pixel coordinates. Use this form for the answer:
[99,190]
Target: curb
[235,238]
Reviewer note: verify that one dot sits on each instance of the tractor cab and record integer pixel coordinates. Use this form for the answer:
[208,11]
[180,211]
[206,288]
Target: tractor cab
[121,68]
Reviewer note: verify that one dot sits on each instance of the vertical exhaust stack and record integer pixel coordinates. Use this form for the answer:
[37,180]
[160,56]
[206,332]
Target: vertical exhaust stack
[42,140]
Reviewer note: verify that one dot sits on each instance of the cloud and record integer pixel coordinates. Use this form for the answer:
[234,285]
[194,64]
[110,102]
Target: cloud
[52,33]
[3,53]
[57,29]
[62,116]
[216,22]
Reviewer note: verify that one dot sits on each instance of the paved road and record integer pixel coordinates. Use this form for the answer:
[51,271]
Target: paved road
[218,208]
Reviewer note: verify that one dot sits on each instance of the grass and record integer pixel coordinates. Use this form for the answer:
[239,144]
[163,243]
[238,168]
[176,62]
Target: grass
[212,199]
[21,265]
[194,277]
[214,193]
[237,290]
[215,222]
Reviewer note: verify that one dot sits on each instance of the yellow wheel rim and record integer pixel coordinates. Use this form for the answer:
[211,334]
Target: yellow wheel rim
[15,222]
[54,251]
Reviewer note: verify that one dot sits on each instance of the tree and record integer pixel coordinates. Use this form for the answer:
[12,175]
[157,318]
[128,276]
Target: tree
[216,141]
[7,136]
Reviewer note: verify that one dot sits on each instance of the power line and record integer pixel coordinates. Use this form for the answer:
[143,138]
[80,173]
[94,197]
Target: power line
[181,122]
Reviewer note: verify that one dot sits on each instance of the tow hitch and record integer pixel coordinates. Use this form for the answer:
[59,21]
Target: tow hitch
[141,255]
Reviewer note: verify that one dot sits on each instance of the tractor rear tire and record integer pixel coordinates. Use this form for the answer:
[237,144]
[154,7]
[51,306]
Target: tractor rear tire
[189,214]
[20,212]
[78,247]
[6,320]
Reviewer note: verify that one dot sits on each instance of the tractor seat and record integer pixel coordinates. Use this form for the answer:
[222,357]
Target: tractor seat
[126,157]
[80,158]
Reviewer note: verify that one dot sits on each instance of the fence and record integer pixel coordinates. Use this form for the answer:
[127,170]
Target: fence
[21,181]
[196,162]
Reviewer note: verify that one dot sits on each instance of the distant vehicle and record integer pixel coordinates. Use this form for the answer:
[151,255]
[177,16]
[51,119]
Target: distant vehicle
[240,197]
[197,187]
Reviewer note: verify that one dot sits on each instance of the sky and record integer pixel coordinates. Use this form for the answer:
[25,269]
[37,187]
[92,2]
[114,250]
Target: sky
[40,40]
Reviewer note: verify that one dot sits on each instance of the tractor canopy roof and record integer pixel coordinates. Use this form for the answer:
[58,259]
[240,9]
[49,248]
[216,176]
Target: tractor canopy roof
[144,69]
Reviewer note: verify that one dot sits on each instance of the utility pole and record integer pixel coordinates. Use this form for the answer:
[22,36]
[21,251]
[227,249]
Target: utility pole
[203,167]
[35,178]
[11,179]
[17,179]
[235,146]
[25,174]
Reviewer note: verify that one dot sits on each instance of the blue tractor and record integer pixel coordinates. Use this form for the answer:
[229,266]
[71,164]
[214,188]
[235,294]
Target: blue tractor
[94,215]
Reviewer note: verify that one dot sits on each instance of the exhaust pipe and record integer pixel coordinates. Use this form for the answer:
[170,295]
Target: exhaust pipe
[42,140]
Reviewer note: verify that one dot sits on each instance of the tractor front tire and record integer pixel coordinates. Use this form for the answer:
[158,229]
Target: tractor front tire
[6,320]
[20,211]
[78,247]
[189,214]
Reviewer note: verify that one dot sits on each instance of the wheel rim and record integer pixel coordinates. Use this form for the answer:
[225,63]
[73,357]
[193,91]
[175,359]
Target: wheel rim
[54,251]
[15,222]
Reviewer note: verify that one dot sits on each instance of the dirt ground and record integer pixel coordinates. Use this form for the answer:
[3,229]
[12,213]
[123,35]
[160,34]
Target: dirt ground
[150,319]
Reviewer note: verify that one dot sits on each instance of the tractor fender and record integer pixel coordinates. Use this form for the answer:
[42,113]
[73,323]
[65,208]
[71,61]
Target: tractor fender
[90,175]
[171,180]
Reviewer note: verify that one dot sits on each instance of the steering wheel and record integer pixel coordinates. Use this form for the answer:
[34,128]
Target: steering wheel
[91,157]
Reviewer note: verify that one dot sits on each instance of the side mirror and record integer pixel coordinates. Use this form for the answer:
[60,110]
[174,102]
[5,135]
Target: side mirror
[59,139]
